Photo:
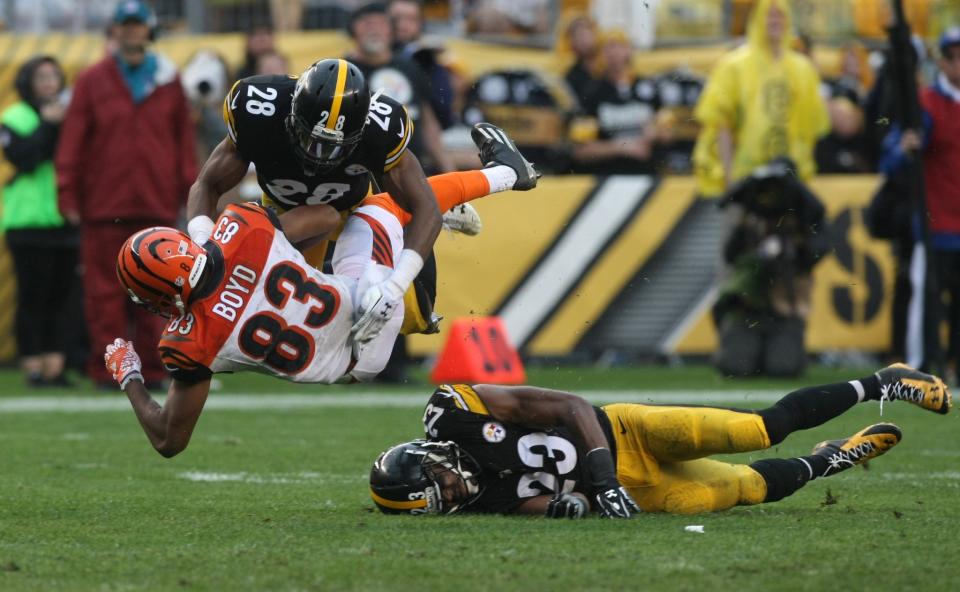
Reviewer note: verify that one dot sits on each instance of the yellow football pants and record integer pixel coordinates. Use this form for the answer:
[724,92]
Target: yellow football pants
[661,450]
[417,309]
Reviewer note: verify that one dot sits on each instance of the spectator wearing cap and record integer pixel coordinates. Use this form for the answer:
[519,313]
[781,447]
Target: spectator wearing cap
[399,78]
[125,161]
[939,142]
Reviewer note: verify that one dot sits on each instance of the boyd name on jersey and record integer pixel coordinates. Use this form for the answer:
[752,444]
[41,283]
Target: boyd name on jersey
[265,309]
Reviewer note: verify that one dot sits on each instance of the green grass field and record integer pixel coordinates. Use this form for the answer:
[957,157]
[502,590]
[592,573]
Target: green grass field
[277,500]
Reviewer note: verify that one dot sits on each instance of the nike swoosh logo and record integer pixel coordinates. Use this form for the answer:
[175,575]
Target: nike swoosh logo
[233,103]
[402,128]
[623,428]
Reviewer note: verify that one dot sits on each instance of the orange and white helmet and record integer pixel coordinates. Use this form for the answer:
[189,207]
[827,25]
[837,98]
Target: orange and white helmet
[159,268]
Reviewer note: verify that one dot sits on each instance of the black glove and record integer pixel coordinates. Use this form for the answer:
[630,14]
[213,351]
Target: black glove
[612,499]
[567,505]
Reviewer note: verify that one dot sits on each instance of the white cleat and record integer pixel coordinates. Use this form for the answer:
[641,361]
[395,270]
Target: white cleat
[463,219]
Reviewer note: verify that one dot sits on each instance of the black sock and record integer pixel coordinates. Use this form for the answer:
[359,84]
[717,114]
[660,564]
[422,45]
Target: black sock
[871,388]
[809,407]
[784,476]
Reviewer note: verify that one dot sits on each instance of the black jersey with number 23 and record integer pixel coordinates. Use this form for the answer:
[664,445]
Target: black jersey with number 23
[516,462]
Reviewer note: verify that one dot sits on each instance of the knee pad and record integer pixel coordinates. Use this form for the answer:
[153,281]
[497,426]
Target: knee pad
[689,498]
[753,489]
[721,487]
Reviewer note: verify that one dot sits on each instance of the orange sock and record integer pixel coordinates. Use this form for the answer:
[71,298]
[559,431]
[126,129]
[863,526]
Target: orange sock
[451,189]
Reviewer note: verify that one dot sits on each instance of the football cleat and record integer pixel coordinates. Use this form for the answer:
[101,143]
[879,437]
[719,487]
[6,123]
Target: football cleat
[464,219]
[900,382]
[496,148]
[433,325]
[866,444]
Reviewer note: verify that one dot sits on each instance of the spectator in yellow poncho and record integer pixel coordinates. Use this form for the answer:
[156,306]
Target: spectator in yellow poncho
[762,101]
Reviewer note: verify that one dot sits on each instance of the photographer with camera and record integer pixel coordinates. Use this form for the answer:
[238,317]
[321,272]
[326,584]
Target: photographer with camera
[764,303]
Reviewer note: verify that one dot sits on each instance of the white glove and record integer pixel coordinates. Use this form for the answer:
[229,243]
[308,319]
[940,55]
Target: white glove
[123,362]
[377,306]
[379,301]
[200,228]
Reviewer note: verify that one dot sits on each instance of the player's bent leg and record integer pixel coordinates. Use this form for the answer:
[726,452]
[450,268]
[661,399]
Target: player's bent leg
[372,234]
[701,485]
[452,189]
[672,433]
[784,476]
[812,406]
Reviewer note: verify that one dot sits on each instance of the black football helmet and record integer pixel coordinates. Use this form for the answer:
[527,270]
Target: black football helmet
[410,478]
[328,113]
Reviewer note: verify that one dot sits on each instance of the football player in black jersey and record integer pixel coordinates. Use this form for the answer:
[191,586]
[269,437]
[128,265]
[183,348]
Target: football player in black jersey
[529,450]
[319,139]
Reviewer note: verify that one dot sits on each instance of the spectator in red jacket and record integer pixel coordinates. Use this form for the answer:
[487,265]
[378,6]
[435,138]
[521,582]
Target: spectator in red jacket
[125,161]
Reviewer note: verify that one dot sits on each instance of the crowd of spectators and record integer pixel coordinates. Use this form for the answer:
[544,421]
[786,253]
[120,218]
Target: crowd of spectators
[135,130]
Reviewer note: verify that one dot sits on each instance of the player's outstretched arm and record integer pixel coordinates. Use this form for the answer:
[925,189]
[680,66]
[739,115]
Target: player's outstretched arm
[168,426]
[544,408]
[224,169]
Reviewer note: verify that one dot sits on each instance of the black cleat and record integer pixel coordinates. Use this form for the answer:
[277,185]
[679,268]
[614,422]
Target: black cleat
[496,148]
[868,443]
[900,382]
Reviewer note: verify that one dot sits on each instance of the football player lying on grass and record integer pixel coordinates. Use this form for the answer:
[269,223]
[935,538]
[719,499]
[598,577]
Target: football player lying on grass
[248,300]
[528,450]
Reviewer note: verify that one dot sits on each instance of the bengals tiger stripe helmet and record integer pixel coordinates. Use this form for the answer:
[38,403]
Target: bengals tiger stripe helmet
[159,268]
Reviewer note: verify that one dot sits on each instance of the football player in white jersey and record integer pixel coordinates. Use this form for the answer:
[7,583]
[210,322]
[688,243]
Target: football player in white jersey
[248,300]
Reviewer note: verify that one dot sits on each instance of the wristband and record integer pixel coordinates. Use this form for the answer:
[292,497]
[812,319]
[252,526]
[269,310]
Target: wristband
[408,266]
[200,228]
[129,377]
[601,469]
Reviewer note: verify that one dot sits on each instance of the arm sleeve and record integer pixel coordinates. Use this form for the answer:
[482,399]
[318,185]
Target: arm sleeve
[182,367]
[69,160]
[25,153]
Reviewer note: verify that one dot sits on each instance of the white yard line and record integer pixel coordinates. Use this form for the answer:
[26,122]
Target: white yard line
[266,401]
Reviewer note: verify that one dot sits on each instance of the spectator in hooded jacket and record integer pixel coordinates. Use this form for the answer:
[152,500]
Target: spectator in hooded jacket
[126,160]
[761,102]
[42,244]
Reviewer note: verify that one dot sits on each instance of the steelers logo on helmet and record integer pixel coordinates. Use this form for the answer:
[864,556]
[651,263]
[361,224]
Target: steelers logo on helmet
[159,268]
[327,114]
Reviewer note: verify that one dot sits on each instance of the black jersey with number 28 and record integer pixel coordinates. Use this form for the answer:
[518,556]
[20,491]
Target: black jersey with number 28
[255,110]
